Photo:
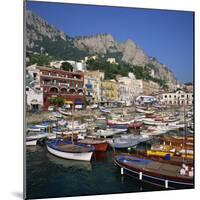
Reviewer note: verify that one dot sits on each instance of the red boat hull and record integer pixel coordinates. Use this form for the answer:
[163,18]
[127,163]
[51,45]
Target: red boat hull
[135,125]
[100,146]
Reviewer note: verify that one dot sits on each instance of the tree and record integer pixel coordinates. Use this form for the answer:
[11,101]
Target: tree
[60,101]
[66,66]
[53,101]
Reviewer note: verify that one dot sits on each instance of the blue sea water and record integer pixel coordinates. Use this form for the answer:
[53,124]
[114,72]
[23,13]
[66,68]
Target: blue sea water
[50,176]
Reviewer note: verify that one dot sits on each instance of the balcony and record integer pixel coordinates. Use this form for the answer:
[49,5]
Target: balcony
[62,77]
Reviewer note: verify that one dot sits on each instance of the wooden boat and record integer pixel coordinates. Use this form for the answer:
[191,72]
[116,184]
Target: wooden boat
[119,122]
[158,149]
[68,113]
[99,145]
[153,131]
[162,174]
[108,132]
[153,122]
[35,135]
[57,114]
[135,125]
[126,141]
[100,117]
[73,164]
[62,122]
[104,110]
[31,142]
[33,129]
[148,112]
[68,150]
[177,142]
[173,160]
[161,154]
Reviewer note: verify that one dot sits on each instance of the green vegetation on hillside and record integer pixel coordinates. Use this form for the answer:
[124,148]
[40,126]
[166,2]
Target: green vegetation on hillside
[39,59]
[66,66]
[59,49]
[112,70]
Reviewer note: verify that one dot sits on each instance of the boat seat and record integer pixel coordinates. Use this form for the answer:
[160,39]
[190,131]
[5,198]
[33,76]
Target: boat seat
[73,148]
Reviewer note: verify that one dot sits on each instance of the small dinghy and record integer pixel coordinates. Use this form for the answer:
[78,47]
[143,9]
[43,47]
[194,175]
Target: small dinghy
[68,150]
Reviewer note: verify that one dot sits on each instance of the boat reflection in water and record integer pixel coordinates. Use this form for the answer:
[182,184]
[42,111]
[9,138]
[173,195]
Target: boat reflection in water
[100,156]
[75,164]
[31,149]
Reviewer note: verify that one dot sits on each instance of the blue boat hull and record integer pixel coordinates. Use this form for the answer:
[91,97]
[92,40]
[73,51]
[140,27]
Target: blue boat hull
[155,180]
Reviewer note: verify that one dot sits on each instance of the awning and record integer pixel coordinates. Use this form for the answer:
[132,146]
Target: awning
[34,102]
[68,102]
[78,102]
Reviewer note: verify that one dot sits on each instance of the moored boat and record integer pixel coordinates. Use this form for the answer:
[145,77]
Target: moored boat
[108,132]
[31,142]
[148,112]
[135,125]
[99,145]
[126,141]
[66,113]
[68,150]
[162,174]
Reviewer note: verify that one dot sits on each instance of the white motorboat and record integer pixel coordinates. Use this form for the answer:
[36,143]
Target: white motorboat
[109,132]
[31,142]
[126,141]
[68,150]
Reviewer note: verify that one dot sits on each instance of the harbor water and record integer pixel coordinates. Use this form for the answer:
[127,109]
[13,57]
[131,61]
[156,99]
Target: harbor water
[50,176]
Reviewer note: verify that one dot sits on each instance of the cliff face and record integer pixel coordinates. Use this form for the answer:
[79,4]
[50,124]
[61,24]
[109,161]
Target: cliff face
[131,53]
[102,44]
[37,28]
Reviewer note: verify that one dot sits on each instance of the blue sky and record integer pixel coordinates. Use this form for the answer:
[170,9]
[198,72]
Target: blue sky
[165,35]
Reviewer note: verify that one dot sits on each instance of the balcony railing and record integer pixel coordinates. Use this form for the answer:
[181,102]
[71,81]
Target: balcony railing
[62,77]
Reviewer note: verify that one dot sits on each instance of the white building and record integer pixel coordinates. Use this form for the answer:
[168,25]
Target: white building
[112,61]
[77,66]
[177,98]
[34,93]
[57,64]
[92,84]
[34,98]
[127,89]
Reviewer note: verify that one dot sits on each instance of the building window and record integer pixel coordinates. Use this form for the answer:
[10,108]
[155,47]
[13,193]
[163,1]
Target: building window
[182,95]
[27,89]
[34,76]
[165,96]
[174,96]
[54,90]
[169,96]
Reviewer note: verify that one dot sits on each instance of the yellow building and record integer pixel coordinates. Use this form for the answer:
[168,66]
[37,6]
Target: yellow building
[109,90]
[145,87]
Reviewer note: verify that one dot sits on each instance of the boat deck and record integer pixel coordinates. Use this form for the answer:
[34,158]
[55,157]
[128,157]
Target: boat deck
[71,148]
[91,141]
[154,167]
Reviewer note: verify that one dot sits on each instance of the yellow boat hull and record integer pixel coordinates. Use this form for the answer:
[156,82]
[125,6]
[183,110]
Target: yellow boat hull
[158,153]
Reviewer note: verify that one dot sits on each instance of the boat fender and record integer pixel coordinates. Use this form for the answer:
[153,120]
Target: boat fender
[166,183]
[191,174]
[186,168]
[183,165]
[122,171]
[182,171]
[140,175]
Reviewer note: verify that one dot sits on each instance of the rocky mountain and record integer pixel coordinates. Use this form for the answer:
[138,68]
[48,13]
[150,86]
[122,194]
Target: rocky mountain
[41,35]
